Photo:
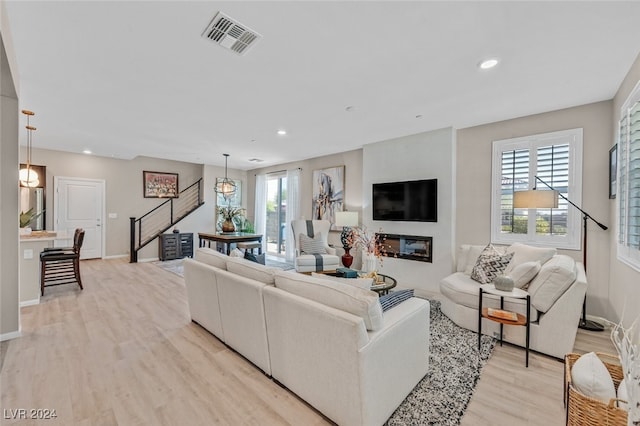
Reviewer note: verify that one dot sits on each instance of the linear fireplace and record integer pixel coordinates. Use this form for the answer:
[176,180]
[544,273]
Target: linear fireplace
[411,247]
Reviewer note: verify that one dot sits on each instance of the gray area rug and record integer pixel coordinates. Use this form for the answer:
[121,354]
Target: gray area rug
[455,365]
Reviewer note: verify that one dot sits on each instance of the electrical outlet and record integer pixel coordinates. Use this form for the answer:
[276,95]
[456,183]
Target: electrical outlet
[113,215]
[28,254]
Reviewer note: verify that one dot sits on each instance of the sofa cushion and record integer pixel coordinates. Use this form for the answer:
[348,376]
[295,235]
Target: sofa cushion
[462,290]
[357,301]
[591,378]
[309,245]
[211,257]
[524,273]
[489,265]
[388,301]
[523,253]
[252,270]
[364,283]
[554,278]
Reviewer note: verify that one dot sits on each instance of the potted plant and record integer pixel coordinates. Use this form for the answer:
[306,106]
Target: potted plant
[25,219]
[229,216]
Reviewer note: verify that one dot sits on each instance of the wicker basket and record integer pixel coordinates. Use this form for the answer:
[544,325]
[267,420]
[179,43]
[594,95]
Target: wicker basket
[583,410]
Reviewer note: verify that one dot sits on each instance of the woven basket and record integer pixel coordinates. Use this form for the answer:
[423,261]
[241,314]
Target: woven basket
[583,410]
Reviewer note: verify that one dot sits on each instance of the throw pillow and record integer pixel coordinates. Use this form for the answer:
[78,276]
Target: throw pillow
[388,301]
[623,395]
[258,258]
[524,253]
[524,273]
[591,378]
[236,252]
[313,245]
[364,283]
[489,265]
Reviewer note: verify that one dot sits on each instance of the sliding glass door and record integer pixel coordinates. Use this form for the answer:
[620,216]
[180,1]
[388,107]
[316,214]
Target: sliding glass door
[276,213]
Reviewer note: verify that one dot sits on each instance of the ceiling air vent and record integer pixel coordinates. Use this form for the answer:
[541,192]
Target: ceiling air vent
[230,34]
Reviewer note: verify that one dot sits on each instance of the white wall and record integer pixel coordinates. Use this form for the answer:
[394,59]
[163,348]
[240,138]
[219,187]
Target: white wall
[9,273]
[422,156]
[624,281]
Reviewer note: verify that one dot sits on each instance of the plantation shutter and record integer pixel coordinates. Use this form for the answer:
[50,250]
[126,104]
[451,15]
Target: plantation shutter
[633,181]
[515,177]
[553,168]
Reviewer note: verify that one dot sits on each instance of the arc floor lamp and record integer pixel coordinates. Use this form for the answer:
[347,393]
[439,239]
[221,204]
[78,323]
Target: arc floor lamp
[534,199]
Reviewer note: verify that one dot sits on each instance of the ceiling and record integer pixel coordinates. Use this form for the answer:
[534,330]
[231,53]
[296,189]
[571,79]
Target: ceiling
[124,79]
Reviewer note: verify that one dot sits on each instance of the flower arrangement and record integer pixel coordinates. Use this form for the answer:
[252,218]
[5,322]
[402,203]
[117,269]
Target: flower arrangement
[229,213]
[371,242]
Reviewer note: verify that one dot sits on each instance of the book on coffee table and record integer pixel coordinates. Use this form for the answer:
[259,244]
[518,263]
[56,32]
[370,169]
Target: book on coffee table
[505,315]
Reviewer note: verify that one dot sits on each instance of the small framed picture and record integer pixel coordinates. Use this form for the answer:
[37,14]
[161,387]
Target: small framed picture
[613,171]
[160,185]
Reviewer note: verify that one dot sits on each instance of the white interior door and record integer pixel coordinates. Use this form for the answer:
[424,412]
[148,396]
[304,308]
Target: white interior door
[79,203]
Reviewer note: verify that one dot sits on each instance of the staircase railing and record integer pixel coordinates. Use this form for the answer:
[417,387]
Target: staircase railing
[149,226]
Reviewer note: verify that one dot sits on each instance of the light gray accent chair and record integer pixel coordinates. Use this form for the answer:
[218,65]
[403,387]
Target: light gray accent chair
[305,262]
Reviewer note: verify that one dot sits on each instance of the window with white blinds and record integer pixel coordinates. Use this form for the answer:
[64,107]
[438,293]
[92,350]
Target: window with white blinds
[556,158]
[629,181]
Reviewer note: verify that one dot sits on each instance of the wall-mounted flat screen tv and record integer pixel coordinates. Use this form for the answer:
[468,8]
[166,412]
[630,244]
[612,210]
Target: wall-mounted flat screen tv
[411,201]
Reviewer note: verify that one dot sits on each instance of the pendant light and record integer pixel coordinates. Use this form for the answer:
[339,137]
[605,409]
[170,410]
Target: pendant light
[27,176]
[226,186]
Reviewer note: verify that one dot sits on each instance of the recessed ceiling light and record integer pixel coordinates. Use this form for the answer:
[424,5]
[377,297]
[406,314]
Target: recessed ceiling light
[87,151]
[282,132]
[488,63]
[419,116]
[350,108]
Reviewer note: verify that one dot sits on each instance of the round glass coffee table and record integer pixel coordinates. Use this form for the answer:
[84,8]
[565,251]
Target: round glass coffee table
[383,284]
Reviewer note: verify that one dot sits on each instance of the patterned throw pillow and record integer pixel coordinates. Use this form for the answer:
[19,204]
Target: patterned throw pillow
[490,264]
[313,245]
[392,299]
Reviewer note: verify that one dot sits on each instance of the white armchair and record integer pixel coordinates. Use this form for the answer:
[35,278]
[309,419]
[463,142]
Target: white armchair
[312,235]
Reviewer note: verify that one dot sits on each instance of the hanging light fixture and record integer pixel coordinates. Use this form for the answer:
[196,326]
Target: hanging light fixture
[29,177]
[226,186]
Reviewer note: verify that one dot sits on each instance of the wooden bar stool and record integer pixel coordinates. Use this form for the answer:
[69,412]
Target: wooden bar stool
[61,265]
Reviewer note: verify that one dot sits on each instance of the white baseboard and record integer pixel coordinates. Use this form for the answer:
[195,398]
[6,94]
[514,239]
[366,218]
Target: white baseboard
[10,335]
[30,302]
[115,256]
[151,259]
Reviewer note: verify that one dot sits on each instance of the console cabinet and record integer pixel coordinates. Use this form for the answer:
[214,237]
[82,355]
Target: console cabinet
[175,246]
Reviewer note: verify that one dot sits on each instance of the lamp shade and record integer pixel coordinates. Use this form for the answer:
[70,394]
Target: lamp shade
[535,199]
[346,218]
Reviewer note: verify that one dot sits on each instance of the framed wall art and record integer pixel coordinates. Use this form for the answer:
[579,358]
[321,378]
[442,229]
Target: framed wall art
[328,193]
[234,200]
[160,185]
[613,171]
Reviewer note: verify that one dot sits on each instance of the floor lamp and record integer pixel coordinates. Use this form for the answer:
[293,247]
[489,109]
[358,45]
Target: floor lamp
[533,199]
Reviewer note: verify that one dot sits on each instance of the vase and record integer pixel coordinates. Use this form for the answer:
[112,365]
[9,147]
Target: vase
[347,259]
[228,226]
[369,262]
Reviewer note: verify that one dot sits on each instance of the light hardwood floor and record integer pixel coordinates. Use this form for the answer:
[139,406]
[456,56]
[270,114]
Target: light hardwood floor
[124,351]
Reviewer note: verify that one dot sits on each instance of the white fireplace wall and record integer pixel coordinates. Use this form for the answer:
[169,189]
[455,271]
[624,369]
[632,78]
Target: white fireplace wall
[422,156]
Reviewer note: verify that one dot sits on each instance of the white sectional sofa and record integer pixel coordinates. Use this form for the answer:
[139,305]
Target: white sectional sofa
[557,285]
[326,341]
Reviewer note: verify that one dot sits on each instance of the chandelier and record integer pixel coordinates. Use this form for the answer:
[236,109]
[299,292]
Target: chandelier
[27,176]
[226,186]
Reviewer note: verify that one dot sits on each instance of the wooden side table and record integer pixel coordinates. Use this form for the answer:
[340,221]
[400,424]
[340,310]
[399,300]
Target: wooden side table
[522,320]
